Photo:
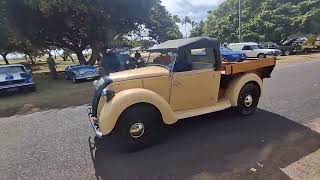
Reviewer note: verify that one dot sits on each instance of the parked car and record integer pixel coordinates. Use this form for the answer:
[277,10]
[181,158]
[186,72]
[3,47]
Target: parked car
[226,53]
[254,50]
[133,106]
[15,78]
[78,73]
[232,56]
[286,50]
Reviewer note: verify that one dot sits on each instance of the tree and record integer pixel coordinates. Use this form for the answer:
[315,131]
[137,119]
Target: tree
[186,20]
[197,30]
[76,24]
[263,20]
[7,43]
[162,25]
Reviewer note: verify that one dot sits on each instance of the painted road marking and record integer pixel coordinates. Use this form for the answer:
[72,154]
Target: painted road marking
[308,167]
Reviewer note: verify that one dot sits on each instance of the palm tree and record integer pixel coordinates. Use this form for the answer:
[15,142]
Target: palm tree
[186,21]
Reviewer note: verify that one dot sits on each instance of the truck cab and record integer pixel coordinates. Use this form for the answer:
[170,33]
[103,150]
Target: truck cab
[136,105]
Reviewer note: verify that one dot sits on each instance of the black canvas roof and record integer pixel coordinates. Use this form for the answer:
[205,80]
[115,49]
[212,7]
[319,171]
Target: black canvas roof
[188,43]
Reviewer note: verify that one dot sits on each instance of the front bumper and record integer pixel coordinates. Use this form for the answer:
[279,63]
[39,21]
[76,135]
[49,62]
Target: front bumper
[87,77]
[12,86]
[94,125]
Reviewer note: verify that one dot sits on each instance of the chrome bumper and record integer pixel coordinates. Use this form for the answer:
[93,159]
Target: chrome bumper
[95,127]
[17,85]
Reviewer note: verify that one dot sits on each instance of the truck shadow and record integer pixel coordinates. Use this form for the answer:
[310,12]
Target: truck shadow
[215,146]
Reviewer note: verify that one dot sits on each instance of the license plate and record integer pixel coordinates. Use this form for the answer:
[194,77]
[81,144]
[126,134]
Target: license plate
[89,78]
[12,89]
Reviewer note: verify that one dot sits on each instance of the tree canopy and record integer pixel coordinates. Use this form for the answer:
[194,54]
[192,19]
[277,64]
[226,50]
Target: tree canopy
[78,24]
[264,20]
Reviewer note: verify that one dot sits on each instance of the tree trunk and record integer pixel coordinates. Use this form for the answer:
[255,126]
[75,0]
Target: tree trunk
[4,56]
[31,59]
[81,58]
[71,57]
[95,56]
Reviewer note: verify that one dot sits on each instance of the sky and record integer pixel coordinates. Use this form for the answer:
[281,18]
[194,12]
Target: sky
[195,9]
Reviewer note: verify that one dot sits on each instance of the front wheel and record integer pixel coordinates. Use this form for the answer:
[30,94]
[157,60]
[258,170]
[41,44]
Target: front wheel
[248,99]
[261,56]
[138,127]
[74,80]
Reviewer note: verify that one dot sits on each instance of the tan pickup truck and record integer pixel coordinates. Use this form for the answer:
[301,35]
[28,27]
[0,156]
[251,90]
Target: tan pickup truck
[134,106]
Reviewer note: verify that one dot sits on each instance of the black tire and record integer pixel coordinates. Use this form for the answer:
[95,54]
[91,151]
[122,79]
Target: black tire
[33,89]
[74,80]
[287,53]
[248,99]
[144,114]
[261,56]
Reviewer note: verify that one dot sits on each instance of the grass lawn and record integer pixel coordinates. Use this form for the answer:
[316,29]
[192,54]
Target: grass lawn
[50,93]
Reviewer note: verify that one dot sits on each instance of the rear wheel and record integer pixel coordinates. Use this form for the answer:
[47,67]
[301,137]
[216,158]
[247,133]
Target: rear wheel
[261,56]
[139,126]
[287,53]
[248,99]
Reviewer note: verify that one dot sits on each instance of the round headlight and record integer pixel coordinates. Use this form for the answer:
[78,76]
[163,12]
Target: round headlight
[95,83]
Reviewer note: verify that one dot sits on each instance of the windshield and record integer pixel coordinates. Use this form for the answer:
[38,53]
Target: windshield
[224,49]
[256,47]
[12,70]
[165,60]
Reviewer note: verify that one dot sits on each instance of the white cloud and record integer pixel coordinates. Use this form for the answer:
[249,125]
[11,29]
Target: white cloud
[195,9]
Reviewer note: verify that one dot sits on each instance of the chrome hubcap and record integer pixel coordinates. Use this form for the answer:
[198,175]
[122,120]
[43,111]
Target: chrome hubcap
[137,130]
[248,101]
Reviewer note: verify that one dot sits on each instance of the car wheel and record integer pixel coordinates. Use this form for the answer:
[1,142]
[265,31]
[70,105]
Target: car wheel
[248,99]
[33,89]
[307,51]
[287,53]
[138,127]
[261,56]
[74,80]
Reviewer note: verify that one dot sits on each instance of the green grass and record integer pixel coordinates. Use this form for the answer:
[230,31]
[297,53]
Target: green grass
[50,94]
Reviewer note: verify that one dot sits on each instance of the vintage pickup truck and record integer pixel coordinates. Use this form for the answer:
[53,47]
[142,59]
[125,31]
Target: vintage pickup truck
[133,107]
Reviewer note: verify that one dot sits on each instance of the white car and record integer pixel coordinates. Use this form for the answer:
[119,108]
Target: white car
[254,50]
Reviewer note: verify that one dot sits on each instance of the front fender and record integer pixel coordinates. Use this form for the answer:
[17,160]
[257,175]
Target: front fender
[236,85]
[112,110]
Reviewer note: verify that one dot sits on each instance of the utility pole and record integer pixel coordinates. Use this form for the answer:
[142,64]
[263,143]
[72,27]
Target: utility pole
[240,21]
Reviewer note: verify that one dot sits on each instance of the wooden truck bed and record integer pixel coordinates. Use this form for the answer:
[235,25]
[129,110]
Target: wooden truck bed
[247,66]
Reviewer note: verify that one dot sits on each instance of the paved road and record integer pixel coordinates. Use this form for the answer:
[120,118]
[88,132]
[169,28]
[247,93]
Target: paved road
[57,144]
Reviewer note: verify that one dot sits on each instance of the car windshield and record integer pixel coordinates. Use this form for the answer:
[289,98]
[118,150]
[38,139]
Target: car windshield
[256,47]
[12,69]
[224,49]
[165,60]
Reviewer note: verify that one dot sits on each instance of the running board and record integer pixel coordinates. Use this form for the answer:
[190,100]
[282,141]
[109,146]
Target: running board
[221,105]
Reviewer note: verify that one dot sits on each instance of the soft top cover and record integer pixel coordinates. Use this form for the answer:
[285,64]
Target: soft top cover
[188,43]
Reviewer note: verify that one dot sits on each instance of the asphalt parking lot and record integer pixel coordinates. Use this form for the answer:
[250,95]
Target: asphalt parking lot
[59,144]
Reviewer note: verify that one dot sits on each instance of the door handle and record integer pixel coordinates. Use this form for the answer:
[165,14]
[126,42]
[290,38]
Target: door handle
[177,83]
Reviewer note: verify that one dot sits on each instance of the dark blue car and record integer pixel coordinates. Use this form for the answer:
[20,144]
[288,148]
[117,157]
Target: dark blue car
[232,56]
[15,78]
[78,73]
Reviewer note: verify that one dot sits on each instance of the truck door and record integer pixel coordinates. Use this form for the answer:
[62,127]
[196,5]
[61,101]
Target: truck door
[196,87]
